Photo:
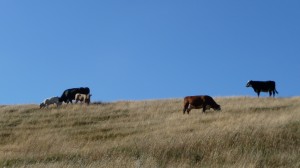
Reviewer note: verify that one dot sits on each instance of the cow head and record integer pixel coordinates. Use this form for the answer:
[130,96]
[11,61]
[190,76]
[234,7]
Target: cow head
[217,107]
[42,105]
[249,83]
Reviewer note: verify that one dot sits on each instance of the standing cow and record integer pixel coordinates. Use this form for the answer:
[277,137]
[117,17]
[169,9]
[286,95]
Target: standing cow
[196,102]
[69,94]
[263,86]
[86,98]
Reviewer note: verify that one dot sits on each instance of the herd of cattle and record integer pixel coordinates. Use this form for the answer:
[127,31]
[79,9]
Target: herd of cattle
[190,102]
[78,94]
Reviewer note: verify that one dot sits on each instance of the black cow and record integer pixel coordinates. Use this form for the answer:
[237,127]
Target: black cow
[69,94]
[263,86]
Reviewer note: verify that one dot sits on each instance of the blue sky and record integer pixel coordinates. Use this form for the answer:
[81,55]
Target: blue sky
[135,50]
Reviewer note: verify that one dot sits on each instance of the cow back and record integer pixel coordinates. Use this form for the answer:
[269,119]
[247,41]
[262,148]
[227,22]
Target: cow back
[263,85]
[194,100]
[198,101]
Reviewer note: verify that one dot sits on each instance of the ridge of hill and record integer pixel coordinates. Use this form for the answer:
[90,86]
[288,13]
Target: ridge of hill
[248,132]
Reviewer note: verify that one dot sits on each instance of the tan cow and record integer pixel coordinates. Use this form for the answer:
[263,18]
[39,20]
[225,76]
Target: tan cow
[197,102]
[86,98]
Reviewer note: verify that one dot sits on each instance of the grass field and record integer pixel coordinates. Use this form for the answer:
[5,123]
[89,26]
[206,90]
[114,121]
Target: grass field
[248,132]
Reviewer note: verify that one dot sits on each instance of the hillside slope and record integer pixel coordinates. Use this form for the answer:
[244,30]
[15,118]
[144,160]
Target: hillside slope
[248,132]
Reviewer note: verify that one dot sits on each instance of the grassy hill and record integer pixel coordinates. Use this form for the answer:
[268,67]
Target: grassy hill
[248,132]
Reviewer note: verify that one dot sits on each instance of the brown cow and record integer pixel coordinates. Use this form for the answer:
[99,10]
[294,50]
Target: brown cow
[86,98]
[197,102]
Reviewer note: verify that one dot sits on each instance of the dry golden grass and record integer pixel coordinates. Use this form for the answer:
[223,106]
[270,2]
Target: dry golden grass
[248,132]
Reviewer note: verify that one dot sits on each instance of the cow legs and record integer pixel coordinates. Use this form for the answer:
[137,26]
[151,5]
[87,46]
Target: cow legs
[272,92]
[185,106]
[189,108]
[258,92]
[204,108]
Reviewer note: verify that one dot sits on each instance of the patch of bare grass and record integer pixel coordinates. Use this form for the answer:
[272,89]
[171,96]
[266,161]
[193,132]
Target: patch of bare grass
[248,132]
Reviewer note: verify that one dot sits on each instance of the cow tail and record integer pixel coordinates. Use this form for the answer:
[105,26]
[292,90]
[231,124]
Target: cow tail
[185,105]
[276,91]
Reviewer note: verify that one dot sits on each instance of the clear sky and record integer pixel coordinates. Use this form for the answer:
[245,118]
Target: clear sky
[147,49]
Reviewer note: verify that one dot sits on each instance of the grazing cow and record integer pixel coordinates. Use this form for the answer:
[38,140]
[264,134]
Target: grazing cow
[49,101]
[69,94]
[197,102]
[86,98]
[263,86]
